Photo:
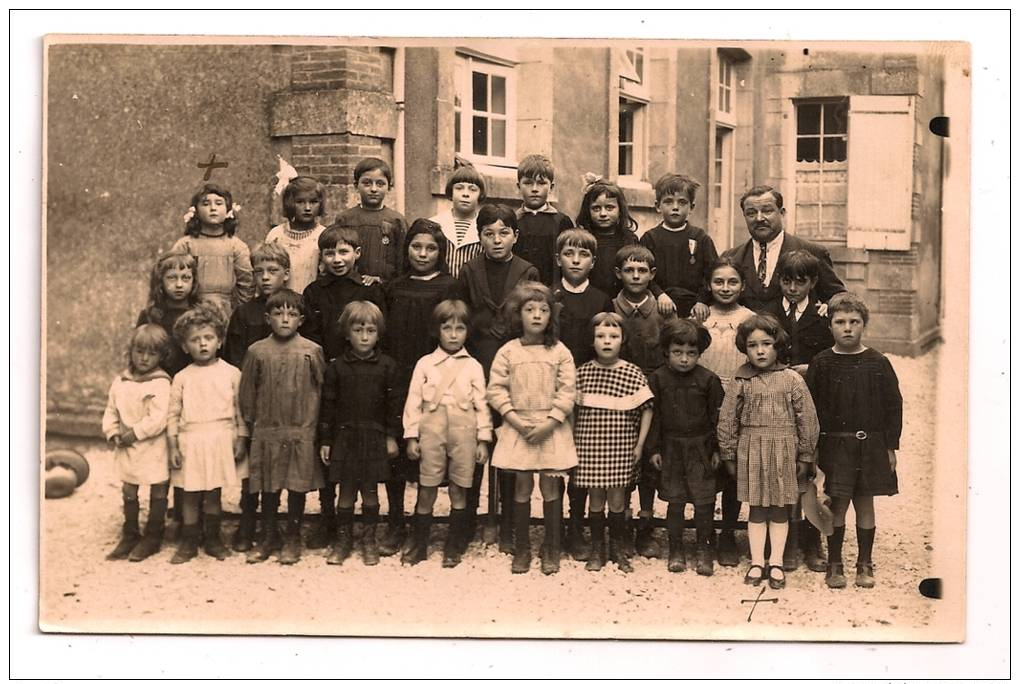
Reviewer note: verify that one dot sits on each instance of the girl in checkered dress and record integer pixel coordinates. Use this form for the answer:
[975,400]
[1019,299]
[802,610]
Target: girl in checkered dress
[767,435]
[614,411]
[531,385]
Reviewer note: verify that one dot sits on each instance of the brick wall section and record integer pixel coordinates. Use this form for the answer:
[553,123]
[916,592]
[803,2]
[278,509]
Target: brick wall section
[331,158]
[330,68]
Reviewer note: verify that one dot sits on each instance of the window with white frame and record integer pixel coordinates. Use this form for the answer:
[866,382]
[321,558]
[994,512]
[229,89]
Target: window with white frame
[484,110]
[725,103]
[633,112]
[821,169]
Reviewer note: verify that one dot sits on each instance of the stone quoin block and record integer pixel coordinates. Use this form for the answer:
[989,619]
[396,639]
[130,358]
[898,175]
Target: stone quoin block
[357,112]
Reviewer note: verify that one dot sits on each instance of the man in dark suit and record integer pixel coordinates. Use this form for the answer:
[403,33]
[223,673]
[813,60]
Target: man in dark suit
[763,211]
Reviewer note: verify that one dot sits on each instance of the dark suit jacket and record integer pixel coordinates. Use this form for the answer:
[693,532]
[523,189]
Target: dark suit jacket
[487,329]
[811,335]
[756,296]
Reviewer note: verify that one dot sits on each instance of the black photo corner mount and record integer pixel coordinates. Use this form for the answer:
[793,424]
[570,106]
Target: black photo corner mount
[931,587]
[939,125]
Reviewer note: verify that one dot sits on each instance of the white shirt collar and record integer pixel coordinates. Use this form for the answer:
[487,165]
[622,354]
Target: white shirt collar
[440,355]
[430,276]
[580,289]
[801,307]
[675,230]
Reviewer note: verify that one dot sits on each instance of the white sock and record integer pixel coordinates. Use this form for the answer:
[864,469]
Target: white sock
[756,540]
[777,533]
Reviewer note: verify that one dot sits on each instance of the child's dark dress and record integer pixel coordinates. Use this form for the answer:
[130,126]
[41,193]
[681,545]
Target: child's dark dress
[409,304]
[361,406]
[176,359]
[683,431]
[860,411]
[682,260]
[410,300]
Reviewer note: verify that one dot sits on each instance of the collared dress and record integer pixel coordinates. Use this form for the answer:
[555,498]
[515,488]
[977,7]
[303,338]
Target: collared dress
[382,234]
[279,396]
[607,422]
[767,424]
[683,432]
[537,382]
[206,418]
[140,402]
[460,249]
[224,269]
[361,406]
[856,392]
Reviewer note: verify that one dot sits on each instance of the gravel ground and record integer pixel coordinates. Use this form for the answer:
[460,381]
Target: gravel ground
[81,592]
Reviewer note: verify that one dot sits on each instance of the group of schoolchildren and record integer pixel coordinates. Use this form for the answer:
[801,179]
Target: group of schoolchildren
[331,360]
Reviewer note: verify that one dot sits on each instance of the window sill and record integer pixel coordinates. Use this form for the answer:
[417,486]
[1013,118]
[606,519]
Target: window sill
[639,193]
[500,182]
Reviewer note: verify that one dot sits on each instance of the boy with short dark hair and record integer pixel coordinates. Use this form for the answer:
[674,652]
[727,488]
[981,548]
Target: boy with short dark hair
[580,301]
[324,301]
[642,322]
[380,229]
[797,310]
[684,252]
[484,284]
[538,221]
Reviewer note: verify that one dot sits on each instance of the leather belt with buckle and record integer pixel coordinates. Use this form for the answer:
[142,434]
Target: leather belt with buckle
[859,435]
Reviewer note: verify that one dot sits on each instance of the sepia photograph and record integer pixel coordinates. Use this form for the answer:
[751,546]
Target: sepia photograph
[561,338]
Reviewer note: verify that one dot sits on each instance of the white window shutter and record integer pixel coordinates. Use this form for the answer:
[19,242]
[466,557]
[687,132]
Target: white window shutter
[880,157]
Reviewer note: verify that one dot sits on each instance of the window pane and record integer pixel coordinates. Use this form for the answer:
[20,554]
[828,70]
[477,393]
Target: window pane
[626,160]
[479,91]
[835,117]
[834,149]
[456,131]
[726,101]
[498,95]
[639,65]
[718,147]
[717,196]
[808,119]
[722,72]
[626,126]
[807,149]
[498,138]
[480,135]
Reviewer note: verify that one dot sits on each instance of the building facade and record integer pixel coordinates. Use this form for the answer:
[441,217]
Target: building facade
[843,134]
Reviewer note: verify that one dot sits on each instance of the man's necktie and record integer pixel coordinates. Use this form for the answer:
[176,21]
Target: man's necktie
[762,265]
[792,315]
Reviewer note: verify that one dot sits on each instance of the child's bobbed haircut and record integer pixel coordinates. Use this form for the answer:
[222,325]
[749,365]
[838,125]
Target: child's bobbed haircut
[202,314]
[285,297]
[339,235]
[576,237]
[685,331]
[270,251]
[724,262]
[449,310]
[173,260]
[611,190]
[848,302]
[758,191]
[490,213]
[533,291]
[536,166]
[609,319]
[363,313]
[634,253]
[194,226]
[466,173]
[424,226]
[798,264]
[298,185]
[768,324]
[676,182]
[150,337]
[372,164]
